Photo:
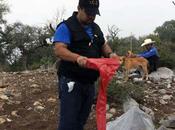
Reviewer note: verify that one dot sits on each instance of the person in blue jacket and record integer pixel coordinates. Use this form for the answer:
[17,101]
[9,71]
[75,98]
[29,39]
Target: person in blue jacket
[151,54]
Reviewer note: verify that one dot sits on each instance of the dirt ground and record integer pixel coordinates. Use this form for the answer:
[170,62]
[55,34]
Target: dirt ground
[32,102]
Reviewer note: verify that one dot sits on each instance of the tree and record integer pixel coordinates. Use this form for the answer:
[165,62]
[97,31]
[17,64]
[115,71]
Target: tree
[128,43]
[166,32]
[59,17]
[3,10]
[113,32]
[21,40]
[112,38]
[23,45]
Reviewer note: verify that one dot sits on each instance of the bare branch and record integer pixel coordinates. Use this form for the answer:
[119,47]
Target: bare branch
[51,28]
[173,2]
[113,31]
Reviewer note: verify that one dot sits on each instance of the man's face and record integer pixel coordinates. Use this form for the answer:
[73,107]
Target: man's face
[148,46]
[85,18]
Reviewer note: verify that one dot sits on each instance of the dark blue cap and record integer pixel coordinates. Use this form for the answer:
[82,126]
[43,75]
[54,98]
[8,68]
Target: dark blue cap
[91,6]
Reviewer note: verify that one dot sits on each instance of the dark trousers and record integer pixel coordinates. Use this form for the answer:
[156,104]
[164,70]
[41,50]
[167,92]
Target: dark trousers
[75,105]
[153,63]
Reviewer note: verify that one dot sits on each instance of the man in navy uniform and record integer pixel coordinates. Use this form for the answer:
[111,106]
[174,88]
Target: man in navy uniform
[77,39]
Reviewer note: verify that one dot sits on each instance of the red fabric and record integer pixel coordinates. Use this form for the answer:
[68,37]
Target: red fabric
[107,68]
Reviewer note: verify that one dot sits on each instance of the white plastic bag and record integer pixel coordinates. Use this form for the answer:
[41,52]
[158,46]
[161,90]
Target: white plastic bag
[133,119]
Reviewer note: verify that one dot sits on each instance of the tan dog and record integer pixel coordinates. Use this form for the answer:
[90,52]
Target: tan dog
[135,63]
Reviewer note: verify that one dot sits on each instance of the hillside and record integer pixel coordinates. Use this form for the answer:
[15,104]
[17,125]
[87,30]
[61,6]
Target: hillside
[29,101]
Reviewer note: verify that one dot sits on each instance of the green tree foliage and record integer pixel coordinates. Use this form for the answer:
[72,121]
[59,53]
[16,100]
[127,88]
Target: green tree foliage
[3,10]
[154,37]
[165,49]
[128,43]
[167,55]
[21,41]
[166,32]
[166,45]
[23,46]
[119,92]
[163,36]
[112,38]
[121,45]
[42,57]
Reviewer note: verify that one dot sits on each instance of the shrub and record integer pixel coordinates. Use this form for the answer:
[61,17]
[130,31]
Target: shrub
[119,92]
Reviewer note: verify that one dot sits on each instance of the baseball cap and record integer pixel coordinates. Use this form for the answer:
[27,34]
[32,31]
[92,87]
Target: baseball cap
[90,6]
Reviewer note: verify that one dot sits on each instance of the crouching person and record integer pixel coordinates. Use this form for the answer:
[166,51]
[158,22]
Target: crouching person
[151,54]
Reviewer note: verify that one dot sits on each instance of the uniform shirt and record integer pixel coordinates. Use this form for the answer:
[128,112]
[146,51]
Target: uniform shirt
[63,34]
[152,52]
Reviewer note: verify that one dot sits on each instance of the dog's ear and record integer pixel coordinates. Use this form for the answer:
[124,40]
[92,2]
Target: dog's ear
[129,54]
[122,58]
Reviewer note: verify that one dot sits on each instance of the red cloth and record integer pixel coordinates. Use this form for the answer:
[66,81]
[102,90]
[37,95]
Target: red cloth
[107,68]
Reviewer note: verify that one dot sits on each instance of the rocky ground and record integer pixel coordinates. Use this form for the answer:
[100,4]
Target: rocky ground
[29,101]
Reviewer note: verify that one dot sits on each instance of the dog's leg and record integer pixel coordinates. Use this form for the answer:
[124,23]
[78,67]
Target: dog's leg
[146,74]
[145,70]
[126,74]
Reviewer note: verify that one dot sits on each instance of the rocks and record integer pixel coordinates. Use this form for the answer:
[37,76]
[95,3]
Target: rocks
[138,80]
[14,113]
[161,73]
[163,102]
[4,97]
[108,116]
[34,86]
[164,128]
[173,79]
[148,111]
[169,85]
[168,123]
[29,96]
[2,120]
[162,91]
[167,97]
[52,100]
[1,82]
[112,111]
[37,103]
[148,82]
[32,97]
[36,91]
[38,106]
